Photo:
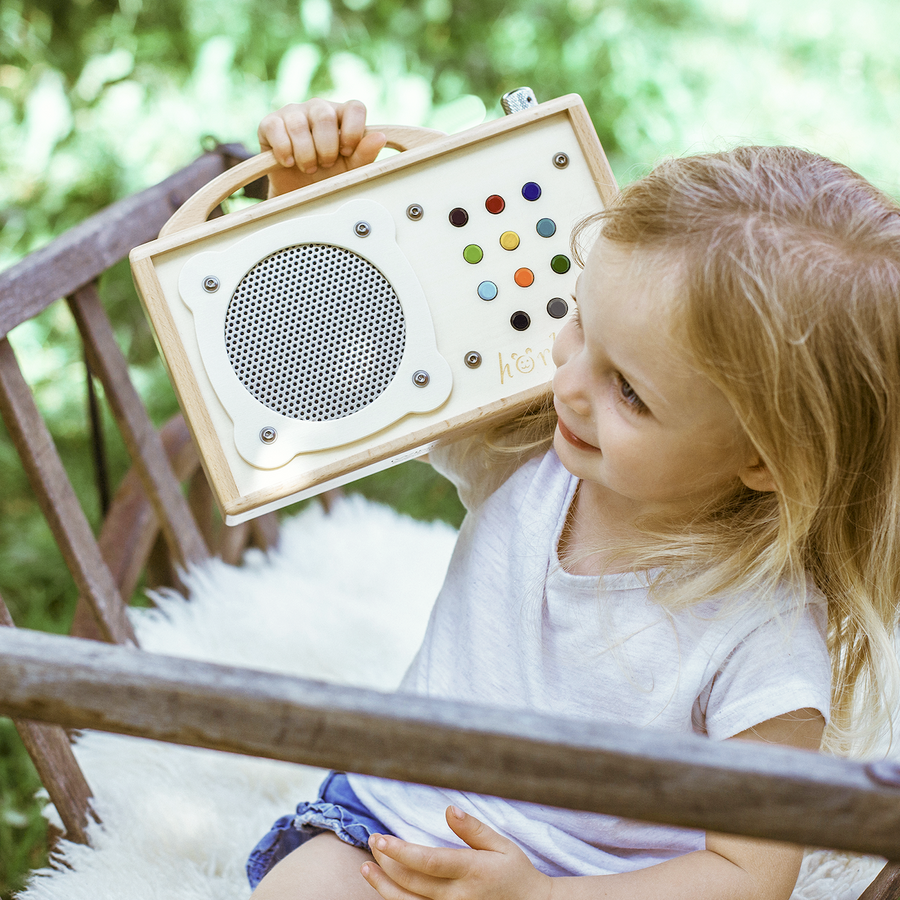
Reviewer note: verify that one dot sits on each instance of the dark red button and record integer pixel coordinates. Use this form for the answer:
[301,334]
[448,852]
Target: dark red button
[495,204]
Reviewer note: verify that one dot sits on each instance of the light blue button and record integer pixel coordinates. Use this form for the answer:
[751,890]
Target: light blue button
[487,290]
[546,227]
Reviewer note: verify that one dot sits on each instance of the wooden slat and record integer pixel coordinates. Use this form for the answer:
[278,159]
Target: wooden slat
[50,751]
[58,501]
[886,885]
[141,438]
[265,530]
[737,787]
[130,528]
[84,252]
[233,540]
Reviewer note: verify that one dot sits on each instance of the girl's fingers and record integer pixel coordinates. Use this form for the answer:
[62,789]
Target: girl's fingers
[366,150]
[324,124]
[434,862]
[352,121]
[474,832]
[316,139]
[272,135]
[386,888]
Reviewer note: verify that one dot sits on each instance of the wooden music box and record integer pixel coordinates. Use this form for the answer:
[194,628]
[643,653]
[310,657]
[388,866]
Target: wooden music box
[348,326]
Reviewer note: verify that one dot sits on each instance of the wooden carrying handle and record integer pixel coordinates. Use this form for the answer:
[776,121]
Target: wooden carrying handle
[196,209]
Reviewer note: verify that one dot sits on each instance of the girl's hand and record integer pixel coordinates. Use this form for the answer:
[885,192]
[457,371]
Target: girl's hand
[315,140]
[493,869]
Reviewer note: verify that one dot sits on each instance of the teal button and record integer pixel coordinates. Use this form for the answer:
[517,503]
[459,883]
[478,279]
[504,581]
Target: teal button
[560,264]
[473,254]
[546,227]
[487,290]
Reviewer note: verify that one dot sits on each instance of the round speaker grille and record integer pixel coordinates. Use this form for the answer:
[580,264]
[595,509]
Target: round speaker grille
[315,332]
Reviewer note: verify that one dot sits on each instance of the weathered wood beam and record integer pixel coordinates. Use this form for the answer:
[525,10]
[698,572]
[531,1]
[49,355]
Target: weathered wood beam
[144,443]
[886,885]
[50,751]
[58,501]
[736,787]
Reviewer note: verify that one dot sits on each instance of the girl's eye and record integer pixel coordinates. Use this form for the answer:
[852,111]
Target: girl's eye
[627,395]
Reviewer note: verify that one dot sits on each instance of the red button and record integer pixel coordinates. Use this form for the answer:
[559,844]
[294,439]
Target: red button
[524,277]
[495,204]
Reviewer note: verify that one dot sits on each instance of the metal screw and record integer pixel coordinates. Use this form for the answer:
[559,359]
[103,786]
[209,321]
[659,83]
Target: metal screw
[421,378]
[473,359]
[268,435]
[362,229]
[210,284]
[561,160]
[414,211]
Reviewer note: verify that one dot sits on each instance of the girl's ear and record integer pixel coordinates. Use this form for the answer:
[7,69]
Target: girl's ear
[757,477]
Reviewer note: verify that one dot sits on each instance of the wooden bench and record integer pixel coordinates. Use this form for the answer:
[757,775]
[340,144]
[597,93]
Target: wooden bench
[51,683]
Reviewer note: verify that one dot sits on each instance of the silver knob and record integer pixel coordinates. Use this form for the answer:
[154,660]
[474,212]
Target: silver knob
[518,100]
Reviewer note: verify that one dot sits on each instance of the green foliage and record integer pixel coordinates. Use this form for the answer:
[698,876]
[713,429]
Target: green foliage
[22,829]
[100,98]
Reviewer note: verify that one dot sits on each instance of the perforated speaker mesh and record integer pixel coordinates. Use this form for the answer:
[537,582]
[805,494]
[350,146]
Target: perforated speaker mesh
[315,332]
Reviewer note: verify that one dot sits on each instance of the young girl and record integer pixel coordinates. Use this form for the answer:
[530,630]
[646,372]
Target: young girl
[699,534]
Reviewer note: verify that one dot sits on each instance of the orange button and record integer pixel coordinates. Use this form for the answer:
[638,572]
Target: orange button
[524,277]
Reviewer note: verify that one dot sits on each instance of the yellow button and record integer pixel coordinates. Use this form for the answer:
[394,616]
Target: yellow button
[509,240]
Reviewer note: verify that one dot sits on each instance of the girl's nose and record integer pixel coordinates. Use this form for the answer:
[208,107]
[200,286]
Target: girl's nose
[568,384]
[562,346]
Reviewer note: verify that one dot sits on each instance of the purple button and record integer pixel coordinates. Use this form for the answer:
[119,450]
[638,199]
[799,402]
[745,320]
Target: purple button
[531,191]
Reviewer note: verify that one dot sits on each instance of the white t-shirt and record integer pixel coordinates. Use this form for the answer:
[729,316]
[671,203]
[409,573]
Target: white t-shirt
[512,628]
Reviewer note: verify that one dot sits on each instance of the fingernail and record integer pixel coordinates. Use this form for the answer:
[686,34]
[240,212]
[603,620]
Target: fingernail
[311,170]
[289,162]
[457,813]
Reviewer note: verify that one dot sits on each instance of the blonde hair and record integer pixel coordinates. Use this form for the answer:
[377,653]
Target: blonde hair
[790,305]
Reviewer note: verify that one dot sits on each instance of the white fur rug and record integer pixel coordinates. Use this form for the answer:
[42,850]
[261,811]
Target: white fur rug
[345,598]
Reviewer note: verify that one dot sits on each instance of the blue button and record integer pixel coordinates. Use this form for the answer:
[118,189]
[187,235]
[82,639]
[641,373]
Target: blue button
[531,191]
[546,227]
[487,290]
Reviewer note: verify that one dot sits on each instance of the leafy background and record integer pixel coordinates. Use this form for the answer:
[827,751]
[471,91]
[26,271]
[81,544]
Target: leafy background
[100,98]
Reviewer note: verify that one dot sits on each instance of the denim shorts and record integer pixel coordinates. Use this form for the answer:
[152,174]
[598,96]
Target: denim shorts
[337,809]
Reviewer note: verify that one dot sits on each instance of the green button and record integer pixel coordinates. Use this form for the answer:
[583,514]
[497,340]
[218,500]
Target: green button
[560,264]
[473,254]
